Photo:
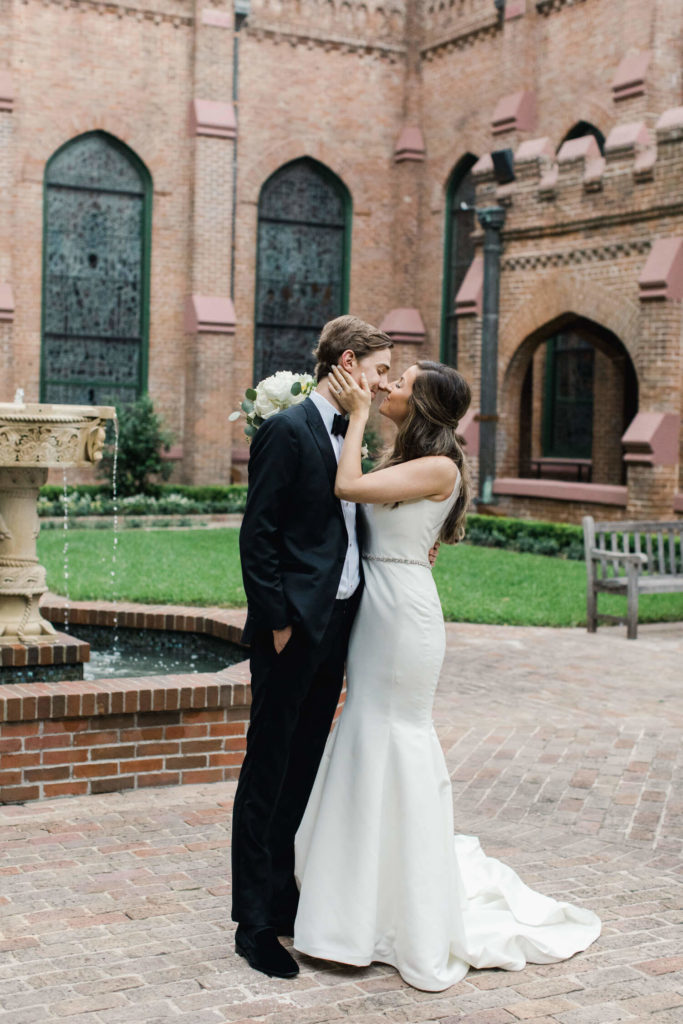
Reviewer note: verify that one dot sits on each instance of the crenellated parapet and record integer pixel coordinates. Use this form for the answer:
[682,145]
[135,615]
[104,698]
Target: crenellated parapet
[356,24]
[637,177]
[454,24]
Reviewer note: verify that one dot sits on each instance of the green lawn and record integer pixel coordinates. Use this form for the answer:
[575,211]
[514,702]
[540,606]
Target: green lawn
[201,567]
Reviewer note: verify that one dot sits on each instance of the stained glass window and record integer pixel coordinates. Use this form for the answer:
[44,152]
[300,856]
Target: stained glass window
[301,276]
[568,406]
[94,287]
[459,251]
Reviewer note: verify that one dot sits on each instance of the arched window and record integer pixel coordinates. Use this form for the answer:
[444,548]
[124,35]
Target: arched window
[568,405]
[582,128]
[95,273]
[302,270]
[458,251]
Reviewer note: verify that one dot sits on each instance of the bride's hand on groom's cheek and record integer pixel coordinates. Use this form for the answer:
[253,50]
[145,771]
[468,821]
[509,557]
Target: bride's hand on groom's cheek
[281,638]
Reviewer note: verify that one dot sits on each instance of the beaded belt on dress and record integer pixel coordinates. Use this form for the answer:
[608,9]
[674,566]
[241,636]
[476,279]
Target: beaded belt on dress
[402,561]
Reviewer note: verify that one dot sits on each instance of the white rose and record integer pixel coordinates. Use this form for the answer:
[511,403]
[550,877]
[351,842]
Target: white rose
[278,388]
[263,406]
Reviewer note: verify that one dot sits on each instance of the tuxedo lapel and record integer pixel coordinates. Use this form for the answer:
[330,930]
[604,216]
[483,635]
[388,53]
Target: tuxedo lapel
[322,439]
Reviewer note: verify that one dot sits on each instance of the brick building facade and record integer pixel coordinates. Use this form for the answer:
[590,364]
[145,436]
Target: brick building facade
[188,189]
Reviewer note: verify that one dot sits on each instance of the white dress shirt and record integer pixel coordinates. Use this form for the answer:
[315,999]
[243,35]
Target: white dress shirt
[350,577]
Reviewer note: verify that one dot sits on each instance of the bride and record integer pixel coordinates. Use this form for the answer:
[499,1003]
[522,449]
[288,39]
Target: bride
[381,874]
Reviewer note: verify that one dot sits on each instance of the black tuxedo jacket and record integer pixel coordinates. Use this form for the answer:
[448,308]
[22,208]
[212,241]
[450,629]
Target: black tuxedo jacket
[293,539]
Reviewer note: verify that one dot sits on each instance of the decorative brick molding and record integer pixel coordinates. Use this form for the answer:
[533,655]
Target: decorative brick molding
[404,324]
[516,112]
[468,301]
[629,79]
[454,27]
[327,41]
[6,91]
[67,650]
[561,490]
[662,275]
[207,117]
[410,145]
[652,439]
[209,314]
[107,7]
[575,257]
[6,303]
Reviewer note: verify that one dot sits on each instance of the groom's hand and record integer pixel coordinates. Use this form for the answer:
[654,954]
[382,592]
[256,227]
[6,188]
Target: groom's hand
[281,638]
[433,552]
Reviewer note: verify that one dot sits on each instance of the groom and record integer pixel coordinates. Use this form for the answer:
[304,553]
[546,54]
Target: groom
[302,576]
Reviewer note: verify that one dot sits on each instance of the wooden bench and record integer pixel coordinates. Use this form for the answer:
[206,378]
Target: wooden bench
[647,560]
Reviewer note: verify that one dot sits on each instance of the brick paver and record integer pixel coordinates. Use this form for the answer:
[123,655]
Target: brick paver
[566,758]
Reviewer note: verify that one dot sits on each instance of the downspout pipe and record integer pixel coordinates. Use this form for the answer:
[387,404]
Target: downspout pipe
[242,8]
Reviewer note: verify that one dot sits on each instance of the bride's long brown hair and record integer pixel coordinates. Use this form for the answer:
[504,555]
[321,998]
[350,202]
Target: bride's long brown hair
[441,397]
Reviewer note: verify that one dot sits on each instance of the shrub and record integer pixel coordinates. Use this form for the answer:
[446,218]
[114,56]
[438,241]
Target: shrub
[527,535]
[141,440]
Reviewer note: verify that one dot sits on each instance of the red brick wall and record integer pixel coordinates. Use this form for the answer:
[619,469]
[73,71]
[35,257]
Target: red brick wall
[338,83]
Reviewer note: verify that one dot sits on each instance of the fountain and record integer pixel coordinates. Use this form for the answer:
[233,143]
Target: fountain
[33,438]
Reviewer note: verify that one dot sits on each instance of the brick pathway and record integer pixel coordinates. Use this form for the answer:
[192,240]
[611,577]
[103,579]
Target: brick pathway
[566,757]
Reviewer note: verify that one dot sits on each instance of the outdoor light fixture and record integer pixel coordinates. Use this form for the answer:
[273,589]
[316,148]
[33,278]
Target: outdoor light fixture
[503,166]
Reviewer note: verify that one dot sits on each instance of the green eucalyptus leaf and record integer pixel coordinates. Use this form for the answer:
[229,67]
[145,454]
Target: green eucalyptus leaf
[234,416]
[247,406]
[257,420]
[250,393]
[249,430]
[296,387]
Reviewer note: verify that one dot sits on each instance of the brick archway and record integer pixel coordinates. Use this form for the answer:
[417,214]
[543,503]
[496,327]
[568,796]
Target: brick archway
[558,299]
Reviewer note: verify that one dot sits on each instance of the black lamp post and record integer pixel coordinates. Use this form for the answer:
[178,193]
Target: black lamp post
[491,219]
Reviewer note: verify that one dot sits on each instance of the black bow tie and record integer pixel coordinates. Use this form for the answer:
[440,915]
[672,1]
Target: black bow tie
[340,425]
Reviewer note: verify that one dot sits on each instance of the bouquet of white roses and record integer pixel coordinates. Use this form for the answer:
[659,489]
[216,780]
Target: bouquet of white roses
[270,396]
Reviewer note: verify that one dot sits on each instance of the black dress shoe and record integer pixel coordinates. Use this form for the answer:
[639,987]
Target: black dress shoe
[264,953]
[284,926]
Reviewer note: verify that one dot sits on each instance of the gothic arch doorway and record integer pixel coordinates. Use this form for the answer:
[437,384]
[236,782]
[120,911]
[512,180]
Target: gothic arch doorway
[578,394]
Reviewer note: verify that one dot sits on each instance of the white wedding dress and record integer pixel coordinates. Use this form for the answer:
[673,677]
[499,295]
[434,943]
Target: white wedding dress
[381,874]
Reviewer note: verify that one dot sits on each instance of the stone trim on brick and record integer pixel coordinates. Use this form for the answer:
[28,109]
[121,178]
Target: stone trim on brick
[678,502]
[6,303]
[208,117]
[515,9]
[468,301]
[662,275]
[410,145]
[560,490]
[515,112]
[404,324]
[6,91]
[629,79]
[209,314]
[652,439]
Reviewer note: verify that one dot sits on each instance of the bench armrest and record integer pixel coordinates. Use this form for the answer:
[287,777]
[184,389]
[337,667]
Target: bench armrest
[616,556]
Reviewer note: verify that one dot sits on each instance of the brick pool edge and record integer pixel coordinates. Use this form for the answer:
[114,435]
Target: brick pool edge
[71,738]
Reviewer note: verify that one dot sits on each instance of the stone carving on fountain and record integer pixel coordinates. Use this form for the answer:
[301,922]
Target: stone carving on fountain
[34,438]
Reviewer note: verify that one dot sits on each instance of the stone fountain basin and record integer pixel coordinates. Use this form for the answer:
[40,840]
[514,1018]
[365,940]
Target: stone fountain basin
[40,435]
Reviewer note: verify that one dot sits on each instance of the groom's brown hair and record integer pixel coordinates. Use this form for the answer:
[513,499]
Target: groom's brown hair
[343,333]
